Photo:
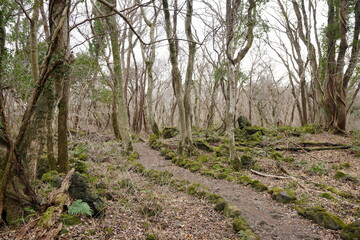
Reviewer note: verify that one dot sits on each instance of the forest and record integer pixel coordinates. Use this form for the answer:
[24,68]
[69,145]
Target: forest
[180,119]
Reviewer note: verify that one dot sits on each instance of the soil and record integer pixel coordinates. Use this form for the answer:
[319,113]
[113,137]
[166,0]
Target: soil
[267,218]
[139,208]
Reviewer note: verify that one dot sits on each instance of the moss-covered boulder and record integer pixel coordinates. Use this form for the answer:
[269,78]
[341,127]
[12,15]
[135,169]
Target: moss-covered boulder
[222,150]
[155,129]
[80,188]
[280,195]
[240,224]
[202,145]
[321,217]
[170,132]
[243,122]
[351,231]
[231,211]
[244,180]
[247,161]
[258,186]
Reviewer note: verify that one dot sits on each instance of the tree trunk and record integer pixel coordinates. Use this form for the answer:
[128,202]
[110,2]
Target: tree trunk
[118,81]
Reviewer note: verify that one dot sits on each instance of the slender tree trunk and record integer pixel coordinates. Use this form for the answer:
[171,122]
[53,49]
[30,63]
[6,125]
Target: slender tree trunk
[185,139]
[118,81]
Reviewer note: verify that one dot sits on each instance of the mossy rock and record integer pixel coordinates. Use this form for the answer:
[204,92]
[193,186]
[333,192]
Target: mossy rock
[243,122]
[249,235]
[231,211]
[70,220]
[155,129]
[193,167]
[137,167]
[258,186]
[222,150]
[251,130]
[170,132]
[214,198]
[321,217]
[351,231]
[240,224]
[203,145]
[280,195]
[208,173]
[170,155]
[244,180]
[81,188]
[247,161]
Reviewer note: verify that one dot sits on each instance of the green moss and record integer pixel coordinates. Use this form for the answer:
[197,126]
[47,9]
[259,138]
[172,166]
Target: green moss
[249,235]
[321,217]
[280,195]
[193,167]
[70,220]
[202,145]
[240,224]
[276,156]
[208,173]
[247,161]
[346,194]
[203,158]
[258,186]
[244,180]
[164,151]
[133,156]
[214,198]
[170,132]
[289,159]
[326,195]
[351,231]
[231,211]
[221,175]
[151,236]
[221,205]
[46,220]
[339,174]
[170,155]
[50,177]
[137,167]
[309,128]
[82,156]
[318,168]
[222,150]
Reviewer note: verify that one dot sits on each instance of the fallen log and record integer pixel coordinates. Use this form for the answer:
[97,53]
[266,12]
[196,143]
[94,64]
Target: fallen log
[311,149]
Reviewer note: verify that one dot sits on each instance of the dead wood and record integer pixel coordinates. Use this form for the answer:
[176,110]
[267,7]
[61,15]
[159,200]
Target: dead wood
[47,228]
[311,149]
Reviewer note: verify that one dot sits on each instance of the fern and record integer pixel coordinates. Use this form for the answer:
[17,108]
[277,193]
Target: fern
[80,208]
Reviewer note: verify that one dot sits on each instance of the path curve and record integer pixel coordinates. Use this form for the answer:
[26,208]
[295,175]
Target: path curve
[268,219]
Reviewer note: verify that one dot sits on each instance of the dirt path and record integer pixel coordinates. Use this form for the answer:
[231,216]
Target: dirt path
[267,218]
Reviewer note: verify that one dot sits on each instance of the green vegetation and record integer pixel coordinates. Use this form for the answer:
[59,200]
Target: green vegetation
[80,208]
[321,217]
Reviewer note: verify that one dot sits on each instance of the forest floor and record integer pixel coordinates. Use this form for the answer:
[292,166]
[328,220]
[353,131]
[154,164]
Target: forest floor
[139,208]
